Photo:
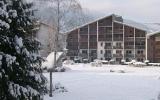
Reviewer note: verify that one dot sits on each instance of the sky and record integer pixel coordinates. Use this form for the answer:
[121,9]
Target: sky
[144,11]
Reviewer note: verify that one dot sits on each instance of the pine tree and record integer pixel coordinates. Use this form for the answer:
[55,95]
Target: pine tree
[20,73]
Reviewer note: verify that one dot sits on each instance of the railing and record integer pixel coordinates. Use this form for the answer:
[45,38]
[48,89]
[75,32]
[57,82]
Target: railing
[129,55]
[108,47]
[140,55]
[140,47]
[129,38]
[117,47]
[108,39]
[140,39]
[117,55]
[108,55]
[129,47]
[118,39]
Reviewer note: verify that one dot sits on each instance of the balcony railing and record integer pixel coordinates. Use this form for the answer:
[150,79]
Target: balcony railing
[129,38]
[129,46]
[129,55]
[140,55]
[140,38]
[108,39]
[108,55]
[117,55]
[108,47]
[140,47]
[118,39]
[117,47]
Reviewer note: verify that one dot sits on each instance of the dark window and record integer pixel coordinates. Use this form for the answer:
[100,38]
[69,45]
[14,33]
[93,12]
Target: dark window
[118,44]
[84,51]
[118,52]
[108,44]
[128,51]
[140,52]
[101,52]
[101,44]
[108,51]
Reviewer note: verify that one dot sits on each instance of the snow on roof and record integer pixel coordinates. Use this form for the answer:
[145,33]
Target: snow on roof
[154,28]
[88,23]
[125,21]
[135,24]
[151,28]
[49,63]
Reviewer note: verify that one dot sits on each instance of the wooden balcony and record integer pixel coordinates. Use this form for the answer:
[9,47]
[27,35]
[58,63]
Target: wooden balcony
[140,47]
[108,47]
[118,55]
[118,39]
[129,46]
[119,31]
[107,55]
[140,39]
[108,39]
[129,55]
[129,39]
[117,47]
[140,55]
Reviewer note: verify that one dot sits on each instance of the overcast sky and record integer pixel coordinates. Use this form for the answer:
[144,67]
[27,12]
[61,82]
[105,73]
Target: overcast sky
[145,11]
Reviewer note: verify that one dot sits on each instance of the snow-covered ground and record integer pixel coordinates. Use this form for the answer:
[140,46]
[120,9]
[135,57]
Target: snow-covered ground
[109,82]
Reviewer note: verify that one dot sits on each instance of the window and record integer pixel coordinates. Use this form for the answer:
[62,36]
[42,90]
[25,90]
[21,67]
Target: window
[118,44]
[108,51]
[128,52]
[140,59]
[118,52]
[140,52]
[101,44]
[108,44]
[101,51]
[84,51]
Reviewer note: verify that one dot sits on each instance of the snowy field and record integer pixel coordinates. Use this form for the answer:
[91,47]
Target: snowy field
[109,82]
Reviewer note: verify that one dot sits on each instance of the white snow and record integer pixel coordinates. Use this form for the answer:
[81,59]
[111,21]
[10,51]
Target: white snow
[10,59]
[50,59]
[13,13]
[84,82]
[4,24]
[19,41]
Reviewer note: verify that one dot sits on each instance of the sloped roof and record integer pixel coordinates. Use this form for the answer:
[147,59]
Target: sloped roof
[125,21]
[149,28]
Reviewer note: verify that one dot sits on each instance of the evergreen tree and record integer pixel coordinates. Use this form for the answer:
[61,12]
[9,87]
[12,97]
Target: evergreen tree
[20,73]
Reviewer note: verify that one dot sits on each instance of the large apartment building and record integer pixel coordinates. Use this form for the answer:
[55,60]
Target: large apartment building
[111,37]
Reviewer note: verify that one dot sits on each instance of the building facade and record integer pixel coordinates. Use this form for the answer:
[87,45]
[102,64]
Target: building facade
[154,47]
[111,37]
